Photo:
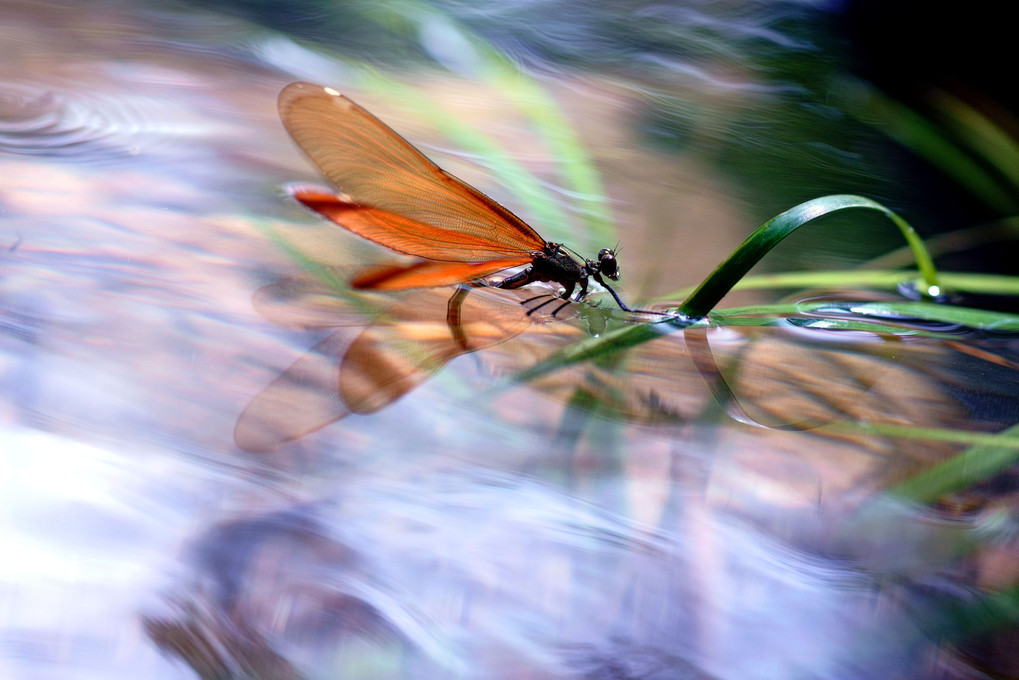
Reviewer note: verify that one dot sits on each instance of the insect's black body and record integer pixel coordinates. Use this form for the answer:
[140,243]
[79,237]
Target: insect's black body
[553,263]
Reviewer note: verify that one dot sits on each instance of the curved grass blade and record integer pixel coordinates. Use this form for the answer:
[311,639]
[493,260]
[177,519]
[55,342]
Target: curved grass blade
[768,235]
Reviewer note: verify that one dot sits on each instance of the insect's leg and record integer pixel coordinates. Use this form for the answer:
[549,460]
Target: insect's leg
[615,296]
[568,289]
[453,316]
[580,294]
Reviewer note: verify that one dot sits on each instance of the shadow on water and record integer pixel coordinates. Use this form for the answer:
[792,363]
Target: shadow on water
[729,500]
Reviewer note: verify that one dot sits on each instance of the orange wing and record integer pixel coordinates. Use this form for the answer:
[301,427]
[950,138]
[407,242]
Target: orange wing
[429,274]
[405,234]
[394,195]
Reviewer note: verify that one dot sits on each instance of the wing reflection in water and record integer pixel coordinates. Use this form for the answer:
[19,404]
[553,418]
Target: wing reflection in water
[403,346]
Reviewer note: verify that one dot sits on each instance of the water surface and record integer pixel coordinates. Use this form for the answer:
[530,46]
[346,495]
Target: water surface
[607,520]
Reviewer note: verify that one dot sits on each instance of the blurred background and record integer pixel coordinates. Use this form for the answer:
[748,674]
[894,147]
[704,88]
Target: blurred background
[477,527]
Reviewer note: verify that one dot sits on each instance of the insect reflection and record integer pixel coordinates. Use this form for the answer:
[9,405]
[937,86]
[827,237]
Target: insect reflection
[403,346]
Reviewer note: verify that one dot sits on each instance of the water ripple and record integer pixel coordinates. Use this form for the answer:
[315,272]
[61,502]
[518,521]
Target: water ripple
[77,125]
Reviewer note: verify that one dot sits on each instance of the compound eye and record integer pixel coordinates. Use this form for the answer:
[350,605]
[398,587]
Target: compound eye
[608,264]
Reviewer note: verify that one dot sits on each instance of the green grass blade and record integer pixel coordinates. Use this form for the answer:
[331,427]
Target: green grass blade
[959,282]
[890,318]
[590,349]
[983,135]
[898,317]
[969,618]
[768,235]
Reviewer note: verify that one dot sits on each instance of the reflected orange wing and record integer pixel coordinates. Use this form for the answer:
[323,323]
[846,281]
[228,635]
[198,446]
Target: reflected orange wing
[394,195]
[398,351]
[413,340]
[303,399]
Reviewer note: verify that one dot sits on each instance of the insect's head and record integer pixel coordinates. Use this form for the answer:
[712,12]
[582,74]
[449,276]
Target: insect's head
[607,263]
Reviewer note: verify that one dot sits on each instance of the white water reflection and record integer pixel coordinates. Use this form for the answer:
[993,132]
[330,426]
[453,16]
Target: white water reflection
[83,530]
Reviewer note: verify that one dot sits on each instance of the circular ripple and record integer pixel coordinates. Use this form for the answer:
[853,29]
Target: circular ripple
[75,125]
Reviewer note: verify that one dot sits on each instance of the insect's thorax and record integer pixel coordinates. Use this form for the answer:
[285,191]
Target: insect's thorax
[553,263]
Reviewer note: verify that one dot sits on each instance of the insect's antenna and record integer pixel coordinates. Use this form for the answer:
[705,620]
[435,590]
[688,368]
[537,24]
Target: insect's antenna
[575,253]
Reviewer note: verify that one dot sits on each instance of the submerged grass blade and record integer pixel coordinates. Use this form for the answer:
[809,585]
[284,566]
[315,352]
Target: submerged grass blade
[591,349]
[897,318]
[970,317]
[973,465]
[971,617]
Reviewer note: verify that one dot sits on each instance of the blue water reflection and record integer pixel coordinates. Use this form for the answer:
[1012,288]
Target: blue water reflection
[454,573]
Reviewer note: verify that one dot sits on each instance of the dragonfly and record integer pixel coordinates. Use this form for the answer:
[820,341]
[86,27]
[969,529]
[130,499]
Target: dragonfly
[393,195]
